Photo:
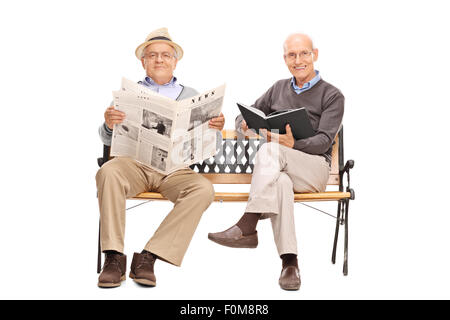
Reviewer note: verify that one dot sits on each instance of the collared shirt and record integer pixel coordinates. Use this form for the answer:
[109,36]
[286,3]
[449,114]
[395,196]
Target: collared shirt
[170,89]
[307,85]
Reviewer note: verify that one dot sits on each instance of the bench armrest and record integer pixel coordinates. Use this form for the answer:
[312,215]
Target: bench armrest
[101,161]
[346,170]
[349,165]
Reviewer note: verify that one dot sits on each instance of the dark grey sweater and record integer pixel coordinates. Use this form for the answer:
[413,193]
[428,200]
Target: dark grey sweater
[325,106]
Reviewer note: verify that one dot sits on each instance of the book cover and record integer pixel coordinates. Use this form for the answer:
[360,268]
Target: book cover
[297,118]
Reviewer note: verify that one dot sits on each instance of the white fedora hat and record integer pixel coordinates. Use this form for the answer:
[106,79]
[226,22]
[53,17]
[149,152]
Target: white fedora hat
[159,35]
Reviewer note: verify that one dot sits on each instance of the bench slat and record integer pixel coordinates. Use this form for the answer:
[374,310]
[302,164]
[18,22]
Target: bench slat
[246,178]
[243,196]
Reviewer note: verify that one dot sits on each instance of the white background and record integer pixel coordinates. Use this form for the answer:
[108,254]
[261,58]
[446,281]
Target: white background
[60,60]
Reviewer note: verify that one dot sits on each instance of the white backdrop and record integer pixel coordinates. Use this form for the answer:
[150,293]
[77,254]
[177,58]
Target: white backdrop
[60,60]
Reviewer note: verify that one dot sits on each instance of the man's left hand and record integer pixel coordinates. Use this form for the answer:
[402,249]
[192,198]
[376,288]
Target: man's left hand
[283,139]
[217,123]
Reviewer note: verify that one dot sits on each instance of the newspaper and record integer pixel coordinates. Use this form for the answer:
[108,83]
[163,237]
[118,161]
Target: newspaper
[162,133]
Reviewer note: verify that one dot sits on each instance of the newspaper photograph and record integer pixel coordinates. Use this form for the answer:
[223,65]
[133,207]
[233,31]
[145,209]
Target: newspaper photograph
[162,133]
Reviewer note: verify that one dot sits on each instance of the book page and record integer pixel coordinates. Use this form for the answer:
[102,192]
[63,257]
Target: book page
[254,110]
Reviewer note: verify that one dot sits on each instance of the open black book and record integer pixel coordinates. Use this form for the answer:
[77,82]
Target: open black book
[297,118]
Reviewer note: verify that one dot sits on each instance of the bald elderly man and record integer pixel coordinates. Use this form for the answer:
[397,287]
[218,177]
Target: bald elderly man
[123,177]
[284,165]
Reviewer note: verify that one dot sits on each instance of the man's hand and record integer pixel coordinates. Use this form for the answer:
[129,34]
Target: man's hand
[283,139]
[217,123]
[246,131]
[113,116]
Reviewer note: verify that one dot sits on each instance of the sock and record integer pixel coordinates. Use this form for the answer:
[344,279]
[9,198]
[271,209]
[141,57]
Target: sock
[112,252]
[248,223]
[289,259]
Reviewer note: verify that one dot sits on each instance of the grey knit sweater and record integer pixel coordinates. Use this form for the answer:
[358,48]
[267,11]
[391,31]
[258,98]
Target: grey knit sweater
[106,133]
[325,106]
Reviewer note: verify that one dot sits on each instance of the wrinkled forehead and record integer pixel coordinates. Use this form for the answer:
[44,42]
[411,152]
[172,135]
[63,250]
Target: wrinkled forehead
[159,47]
[298,43]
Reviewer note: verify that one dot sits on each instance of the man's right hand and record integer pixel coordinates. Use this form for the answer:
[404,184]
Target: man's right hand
[113,116]
[246,130]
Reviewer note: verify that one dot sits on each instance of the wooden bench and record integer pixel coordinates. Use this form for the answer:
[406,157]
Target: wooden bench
[233,164]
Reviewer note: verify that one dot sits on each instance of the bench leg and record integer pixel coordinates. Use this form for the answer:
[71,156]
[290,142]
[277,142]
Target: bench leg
[345,270]
[99,254]
[336,233]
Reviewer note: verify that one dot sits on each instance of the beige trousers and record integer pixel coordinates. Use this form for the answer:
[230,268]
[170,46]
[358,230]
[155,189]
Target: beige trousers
[278,172]
[122,178]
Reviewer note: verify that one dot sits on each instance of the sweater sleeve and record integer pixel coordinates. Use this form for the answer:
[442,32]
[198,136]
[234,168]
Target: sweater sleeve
[105,134]
[329,124]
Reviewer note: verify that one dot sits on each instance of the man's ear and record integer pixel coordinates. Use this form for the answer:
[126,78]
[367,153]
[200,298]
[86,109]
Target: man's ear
[143,63]
[316,54]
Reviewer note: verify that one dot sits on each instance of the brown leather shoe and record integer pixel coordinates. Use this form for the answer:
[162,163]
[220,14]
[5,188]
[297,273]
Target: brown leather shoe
[290,278]
[234,238]
[113,272]
[142,269]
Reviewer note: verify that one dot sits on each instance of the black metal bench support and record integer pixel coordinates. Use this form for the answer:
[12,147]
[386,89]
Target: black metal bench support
[336,232]
[345,269]
[99,252]
[343,204]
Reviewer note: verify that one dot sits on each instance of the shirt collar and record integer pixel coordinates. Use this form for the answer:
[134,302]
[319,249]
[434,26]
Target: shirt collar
[307,85]
[150,82]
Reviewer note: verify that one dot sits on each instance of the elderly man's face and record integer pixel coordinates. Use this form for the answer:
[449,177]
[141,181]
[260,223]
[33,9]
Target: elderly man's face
[159,62]
[299,57]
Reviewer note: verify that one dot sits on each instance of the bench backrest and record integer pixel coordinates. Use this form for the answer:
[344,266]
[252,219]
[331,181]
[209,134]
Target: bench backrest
[234,161]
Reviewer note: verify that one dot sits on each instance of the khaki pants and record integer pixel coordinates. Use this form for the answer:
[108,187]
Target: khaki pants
[278,172]
[122,178]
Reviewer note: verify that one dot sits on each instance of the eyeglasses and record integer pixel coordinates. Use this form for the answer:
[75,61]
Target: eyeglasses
[154,55]
[302,55]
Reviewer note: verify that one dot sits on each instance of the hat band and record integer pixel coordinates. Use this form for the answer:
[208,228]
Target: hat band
[160,38]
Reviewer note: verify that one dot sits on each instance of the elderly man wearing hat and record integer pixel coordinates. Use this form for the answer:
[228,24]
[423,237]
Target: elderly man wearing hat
[122,177]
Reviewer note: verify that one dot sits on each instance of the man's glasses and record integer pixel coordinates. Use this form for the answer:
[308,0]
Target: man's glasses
[154,55]
[305,55]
